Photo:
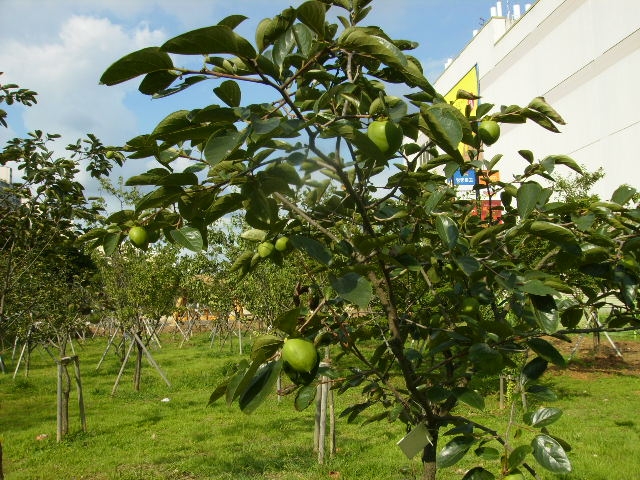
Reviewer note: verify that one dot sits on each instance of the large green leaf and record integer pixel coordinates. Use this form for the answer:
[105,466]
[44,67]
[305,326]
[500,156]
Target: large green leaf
[534,369]
[264,347]
[623,194]
[361,40]
[155,82]
[312,14]
[447,230]
[220,147]
[313,248]
[542,417]
[208,40]
[161,197]
[517,456]
[557,234]
[470,397]
[550,454]
[539,104]
[229,92]
[353,288]
[152,177]
[485,359]
[305,397]
[260,386]
[528,196]
[110,243]
[454,451]
[547,351]
[188,237]
[147,60]
[444,123]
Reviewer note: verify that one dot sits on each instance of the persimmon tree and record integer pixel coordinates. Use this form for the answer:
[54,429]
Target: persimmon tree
[408,280]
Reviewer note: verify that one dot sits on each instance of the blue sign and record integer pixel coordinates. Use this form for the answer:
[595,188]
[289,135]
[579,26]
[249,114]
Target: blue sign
[467,179]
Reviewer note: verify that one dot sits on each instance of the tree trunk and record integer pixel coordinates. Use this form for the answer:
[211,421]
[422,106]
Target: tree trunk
[429,468]
[138,371]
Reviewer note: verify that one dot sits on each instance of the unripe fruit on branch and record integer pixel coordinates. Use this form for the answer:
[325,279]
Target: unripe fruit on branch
[489,131]
[386,135]
[138,236]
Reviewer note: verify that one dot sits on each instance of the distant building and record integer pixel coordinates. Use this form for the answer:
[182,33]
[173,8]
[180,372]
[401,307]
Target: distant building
[583,56]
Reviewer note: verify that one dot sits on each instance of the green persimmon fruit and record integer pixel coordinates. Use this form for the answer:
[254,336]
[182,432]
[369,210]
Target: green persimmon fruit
[282,244]
[265,249]
[470,307]
[138,236]
[300,355]
[386,135]
[489,131]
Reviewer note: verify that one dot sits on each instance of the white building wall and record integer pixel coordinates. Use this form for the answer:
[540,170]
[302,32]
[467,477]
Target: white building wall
[583,56]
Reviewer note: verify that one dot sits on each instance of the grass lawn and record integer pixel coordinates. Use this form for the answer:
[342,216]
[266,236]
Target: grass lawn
[135,435]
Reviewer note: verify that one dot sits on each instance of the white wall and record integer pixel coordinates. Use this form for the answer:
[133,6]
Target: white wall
[583,56]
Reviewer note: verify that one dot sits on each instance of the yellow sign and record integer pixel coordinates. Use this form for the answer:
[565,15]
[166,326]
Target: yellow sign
[468,83]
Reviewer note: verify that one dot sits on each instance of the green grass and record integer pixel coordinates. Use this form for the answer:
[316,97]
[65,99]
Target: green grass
[134,435]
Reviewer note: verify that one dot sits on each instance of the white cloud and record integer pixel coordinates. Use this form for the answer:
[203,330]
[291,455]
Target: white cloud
[65,72]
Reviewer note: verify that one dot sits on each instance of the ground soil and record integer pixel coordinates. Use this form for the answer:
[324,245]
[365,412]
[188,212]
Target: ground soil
[587,356]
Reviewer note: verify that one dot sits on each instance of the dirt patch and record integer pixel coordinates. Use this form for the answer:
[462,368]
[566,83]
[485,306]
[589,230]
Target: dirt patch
[587,356]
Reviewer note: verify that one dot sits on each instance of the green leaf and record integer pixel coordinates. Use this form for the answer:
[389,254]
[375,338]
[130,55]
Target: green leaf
[539,104]
[152,177]
[542,417]
[232,21]
[557,234]
[479,473]
[110,243]
[517,456]
[218,392]
[286,322]
[178,179]
[354,288]
[188,237]
[470,397]
[543,393]
[444,124]
[138,63]
[220,147]
[313,248]
[487,453]
[447,230]
[260,386]
[155,82]
[467,264]
[312,14]
[160,197]
[623,194]
[210,40]
[528,196]
[534,369]
[550,454]
[305,397]
[361,40]
[454,451]
[485,359]
[564,160]
[547,351]
[229,92]
[264,347]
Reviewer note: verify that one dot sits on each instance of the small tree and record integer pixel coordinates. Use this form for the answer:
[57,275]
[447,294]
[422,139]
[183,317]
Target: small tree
[410,281]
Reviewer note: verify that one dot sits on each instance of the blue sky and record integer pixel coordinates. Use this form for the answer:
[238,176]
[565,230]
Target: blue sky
[59,48]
